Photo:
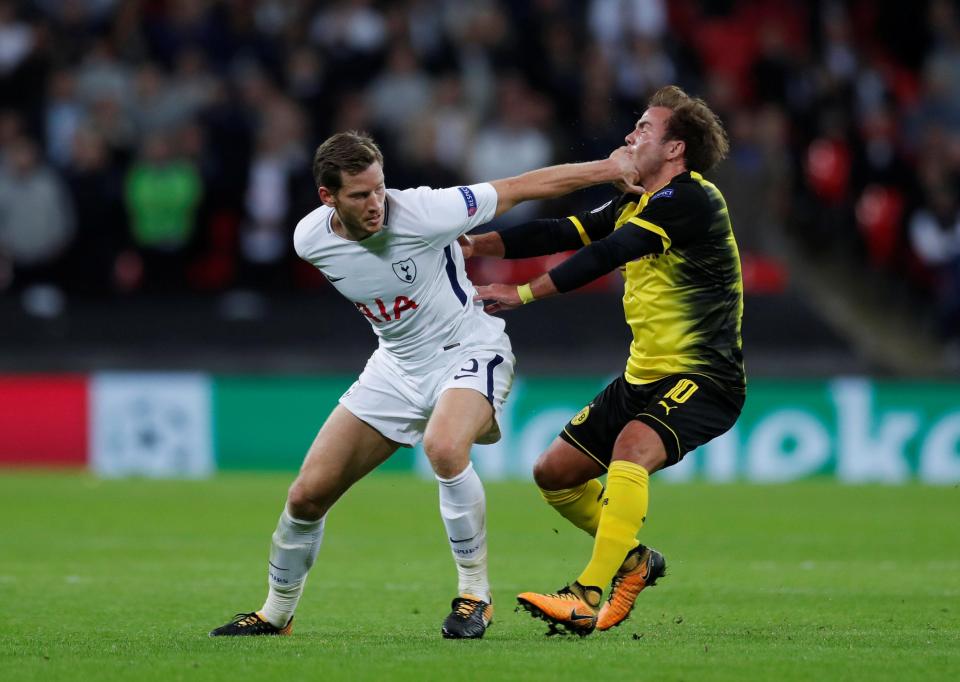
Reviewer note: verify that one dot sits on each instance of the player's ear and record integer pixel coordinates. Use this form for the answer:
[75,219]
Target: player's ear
[326,196]
[677,149]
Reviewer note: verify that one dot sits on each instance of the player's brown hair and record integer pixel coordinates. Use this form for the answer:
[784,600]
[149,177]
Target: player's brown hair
[351,152]
[693,122]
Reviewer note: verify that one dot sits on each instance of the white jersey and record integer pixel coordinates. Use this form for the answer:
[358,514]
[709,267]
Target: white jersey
[409,280]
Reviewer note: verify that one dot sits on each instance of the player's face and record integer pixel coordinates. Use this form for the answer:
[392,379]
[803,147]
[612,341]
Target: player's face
[650,149]
[360,201]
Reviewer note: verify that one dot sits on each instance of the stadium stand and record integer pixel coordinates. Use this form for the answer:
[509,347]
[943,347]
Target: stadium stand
[154,158]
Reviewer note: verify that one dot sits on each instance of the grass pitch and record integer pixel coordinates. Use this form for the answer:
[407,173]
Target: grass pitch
[121,580]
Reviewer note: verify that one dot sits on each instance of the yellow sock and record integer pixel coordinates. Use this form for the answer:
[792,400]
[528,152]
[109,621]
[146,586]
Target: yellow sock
[580,506]
[624,509]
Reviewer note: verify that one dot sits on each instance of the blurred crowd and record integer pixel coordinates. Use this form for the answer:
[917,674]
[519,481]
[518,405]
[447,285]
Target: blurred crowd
[164,145]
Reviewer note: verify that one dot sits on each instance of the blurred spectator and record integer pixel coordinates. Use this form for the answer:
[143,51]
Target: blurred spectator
[479,32]
[450,125]
[280,155]
[643,68]
[102,76]
[615,23]
[16,38]
[163,102]
[353,33]
[36,215]
[96,186]
[944,57]
[835,108]
[23,65]
[513,142]
[560,70]
[63,117]
[935,238]
[162,194]
[354,26]
[400,96]
[305,79]
[756,178]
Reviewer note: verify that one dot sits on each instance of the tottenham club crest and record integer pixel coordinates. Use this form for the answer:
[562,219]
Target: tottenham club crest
[406,270]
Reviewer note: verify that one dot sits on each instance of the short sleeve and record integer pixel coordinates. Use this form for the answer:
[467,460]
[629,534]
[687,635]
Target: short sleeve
[442,215]
[678,214]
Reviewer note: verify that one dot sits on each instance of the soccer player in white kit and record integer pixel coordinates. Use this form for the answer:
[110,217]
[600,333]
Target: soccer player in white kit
[441,372]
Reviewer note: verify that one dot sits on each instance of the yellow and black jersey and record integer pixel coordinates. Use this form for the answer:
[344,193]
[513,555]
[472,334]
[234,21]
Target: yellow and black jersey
[683,290]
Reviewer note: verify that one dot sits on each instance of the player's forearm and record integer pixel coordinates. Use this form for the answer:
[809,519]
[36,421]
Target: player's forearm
[539,238]
[554,181]
[541,287]
[599,258]
[580,269]
[487,244]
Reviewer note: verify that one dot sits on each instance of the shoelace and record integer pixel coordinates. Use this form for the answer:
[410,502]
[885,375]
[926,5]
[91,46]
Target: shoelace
[466,607]
[244,619]
[617,579]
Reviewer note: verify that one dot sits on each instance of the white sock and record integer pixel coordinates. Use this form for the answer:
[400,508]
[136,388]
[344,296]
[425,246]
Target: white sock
[292,553]
[463,507]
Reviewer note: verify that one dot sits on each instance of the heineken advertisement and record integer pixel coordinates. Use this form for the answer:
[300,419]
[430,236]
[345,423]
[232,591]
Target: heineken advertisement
[858,430]
[167,424]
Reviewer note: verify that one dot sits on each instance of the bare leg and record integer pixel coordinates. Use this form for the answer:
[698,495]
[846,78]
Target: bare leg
[344,451]
[568,481]
[461,415]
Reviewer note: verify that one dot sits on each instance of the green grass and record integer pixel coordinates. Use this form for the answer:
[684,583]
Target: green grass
[121,580]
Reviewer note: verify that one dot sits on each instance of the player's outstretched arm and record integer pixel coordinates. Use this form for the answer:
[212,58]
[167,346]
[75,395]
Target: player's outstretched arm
[484,244]
[555,181]
[589,263]
[534,238]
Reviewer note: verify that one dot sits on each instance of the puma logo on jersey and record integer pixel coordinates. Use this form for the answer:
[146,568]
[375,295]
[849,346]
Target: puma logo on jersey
[667,408]
[401,304]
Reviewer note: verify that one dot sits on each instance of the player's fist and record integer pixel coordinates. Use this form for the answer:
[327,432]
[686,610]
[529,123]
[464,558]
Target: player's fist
[497,297]
[625,159]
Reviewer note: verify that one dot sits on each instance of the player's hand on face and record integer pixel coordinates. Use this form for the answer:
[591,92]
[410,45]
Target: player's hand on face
[625,157]
[466,245]
[497,297]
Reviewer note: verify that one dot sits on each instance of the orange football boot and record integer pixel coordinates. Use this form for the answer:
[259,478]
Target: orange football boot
[642,568]
[568,609]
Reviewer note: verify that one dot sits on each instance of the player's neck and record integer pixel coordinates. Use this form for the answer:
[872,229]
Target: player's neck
[341,229]
[663,178]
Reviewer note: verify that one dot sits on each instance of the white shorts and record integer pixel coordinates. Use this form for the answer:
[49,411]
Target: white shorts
[399,403]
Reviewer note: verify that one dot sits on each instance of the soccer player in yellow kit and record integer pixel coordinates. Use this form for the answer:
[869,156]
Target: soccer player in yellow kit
[684,382]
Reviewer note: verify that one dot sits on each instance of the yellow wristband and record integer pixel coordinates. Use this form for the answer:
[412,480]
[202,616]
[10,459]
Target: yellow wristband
[525,293]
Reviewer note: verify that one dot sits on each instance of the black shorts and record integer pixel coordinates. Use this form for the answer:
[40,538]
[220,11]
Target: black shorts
[685,410]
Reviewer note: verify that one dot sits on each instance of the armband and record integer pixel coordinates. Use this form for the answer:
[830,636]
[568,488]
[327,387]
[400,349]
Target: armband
[525,293]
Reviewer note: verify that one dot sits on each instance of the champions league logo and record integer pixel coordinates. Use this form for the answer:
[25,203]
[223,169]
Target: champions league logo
[469,199]
[406,270]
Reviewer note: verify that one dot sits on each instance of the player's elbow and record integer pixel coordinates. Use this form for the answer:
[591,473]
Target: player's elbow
[505,203]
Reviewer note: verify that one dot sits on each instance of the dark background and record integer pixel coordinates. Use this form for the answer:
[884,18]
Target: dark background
[154,159]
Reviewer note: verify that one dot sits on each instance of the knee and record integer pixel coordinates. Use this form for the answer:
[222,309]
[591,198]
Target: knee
[549,476]
[305,502]
[446,457]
